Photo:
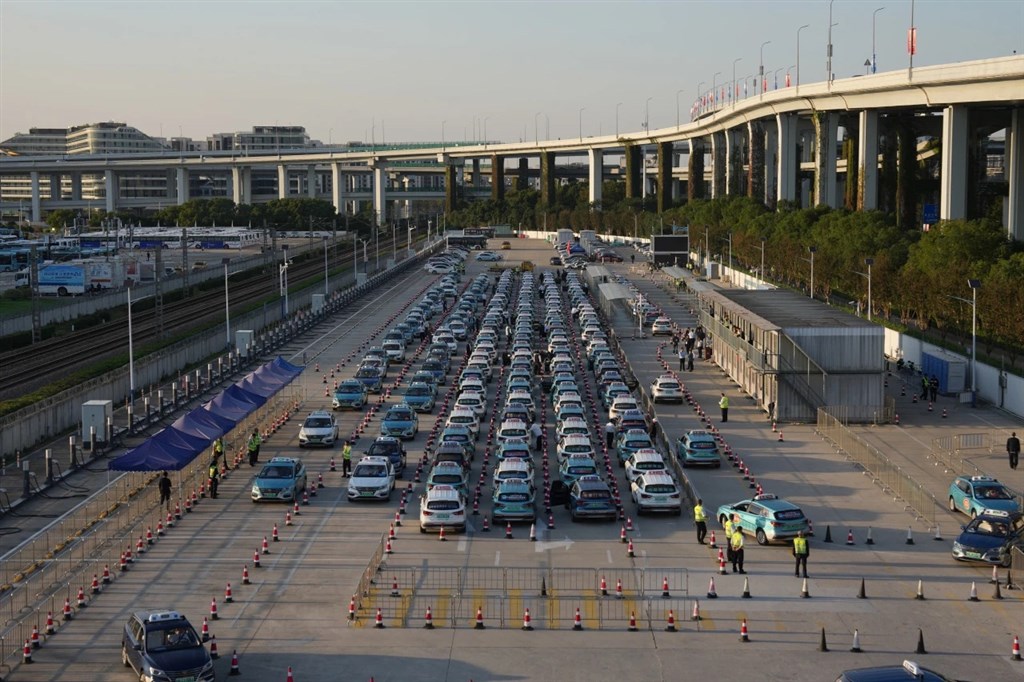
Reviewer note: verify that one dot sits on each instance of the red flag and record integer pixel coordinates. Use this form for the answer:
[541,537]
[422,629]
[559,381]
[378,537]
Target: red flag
[912,41]
[764,84]
[787,79]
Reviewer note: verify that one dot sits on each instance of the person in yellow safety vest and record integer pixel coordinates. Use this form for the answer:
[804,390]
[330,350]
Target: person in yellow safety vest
[214,479]
[701,519]
[254,447]
[736,543]
[218,448]
[723,404]
[801,550]
[346,459]
[727,525]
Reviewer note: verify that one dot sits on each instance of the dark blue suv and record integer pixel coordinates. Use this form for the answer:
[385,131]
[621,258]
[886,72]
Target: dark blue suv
[163,646]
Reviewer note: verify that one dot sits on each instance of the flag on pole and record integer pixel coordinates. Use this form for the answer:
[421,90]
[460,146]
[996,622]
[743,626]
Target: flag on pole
[912,41]
[787,79]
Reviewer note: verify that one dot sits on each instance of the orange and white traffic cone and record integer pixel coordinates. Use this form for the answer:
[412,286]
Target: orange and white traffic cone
[245,574]
[440,534]
[378,620]
[712,543]
[632,622]
[95,588]
[391,532]
[618,588]
[849,537]
[712,594]
[106,574]
[664,588]
[290,677]
[228,598]
[526,620]
[395,592]
[213,609]
[1016,649]
[66,612]
[204,630]
[26,653]
[50,627]
[622,535]
[479,625]
[696,609]
[387,546]
[744,635]
[428,620]
[80,600]
[274,535]
[781,439]
[629,524]
[287,518]
[604,587]
[508,530]
[35,637]
[235,670]
[670,625]
[213,647]
[265,547]
[577,621]
[352,608]
[256,559]
[629,549]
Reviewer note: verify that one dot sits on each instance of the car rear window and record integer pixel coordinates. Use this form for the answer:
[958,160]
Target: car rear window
[660,488]
[447,478]
[513,497]
[650,466]
[789,515]
[582,470]
[702,444]
[595,494]
[577,448]
[442,505]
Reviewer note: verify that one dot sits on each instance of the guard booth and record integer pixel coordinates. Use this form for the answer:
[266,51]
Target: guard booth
[801,354]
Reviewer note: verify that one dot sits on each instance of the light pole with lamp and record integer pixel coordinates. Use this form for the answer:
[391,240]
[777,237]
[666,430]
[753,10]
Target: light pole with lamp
[582,109]
[974,284]
[486,119]
[327,287]
[828,48]
[647,115]
[536,135]
[678,92]
[617,105]
[763,84]
[714,90]
[867,275]
[812,250]
[227,302]
[131,348]
[282,274]
[763,242]
[775,78]
[700,87]
[735,86]
[874,57]
[798,55]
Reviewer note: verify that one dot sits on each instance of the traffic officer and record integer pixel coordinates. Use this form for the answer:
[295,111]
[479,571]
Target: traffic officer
[214,479]
[218,448]
[609,434]
[727,526]
[701,519]
[254,447]
[736,544]
[801,550]
[723,404]
[346,459]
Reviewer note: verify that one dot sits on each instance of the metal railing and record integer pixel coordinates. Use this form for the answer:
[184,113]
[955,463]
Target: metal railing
[890,477]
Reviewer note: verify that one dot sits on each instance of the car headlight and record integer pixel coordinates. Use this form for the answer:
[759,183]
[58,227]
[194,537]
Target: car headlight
[957,547]
[208,666]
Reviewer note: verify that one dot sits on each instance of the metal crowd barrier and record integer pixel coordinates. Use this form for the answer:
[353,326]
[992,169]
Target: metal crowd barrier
[889,476]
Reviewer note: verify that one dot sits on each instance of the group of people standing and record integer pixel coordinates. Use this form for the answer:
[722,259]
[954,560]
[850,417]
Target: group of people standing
[734,541]
[218,460]
[687,344]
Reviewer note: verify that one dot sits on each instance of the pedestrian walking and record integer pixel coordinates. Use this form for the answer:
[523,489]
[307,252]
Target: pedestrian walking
[933,386]
[218,449]
[164,484]
[771,411]
[1013,449]
[699,344]
[253,447]
[682,360]
[925,387]
[538,435]
[675,344]
[736,543]
[801,550]
[701,519]
[346,459]
[609,434]
[689,361]
[654,429]
[723,404]
[214,479]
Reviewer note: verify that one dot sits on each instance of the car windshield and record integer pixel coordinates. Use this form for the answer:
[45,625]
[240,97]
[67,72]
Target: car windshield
[318,423]
[370,471]
[276,471]
[367,373]
[984,526]
[418,390]
[991,492]
[399,415]
[166,639]
[382,449]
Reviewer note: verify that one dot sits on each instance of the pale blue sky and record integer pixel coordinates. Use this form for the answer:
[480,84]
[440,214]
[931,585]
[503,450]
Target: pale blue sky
[222,66]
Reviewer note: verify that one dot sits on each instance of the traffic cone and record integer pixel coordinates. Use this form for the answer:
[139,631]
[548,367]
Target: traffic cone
[943,412]
[696,610]
[869,540]
[428,620]
[997,594]
[712,544]
[50,627]
[333,468]
[398,520]
[123,563]
[533,533]
[804,592]
[295,509]
[629,524]
[149,536]
[604,587]
[910,536]
[920,642]
[234,664]
[670,624]
[930,406]
[744,635]
[712,594]
[378,620]
[828,534]
[974,592]
[849,537]
[66,612]
[387,546]
[288,518]
[80,600]
[204,630]
[721,563]
[629,549]
[1016,649]
[622,535]
[577,621]
[479,625]
[508,530]
[394,586]
[26,653]
[920,590]
[773,427]
[856,642]
[352,608]
[664,588]
[487,526]
[290,677]
[780,437]
[106,574]
[995,577]
[632,622]
[213,647]
[938,533]
[265,547]
[823,645]
[746,588]
[227,594]
[861,594]
[95,584]
[274,535]
[551,521]
[255,559]
[526,620]
[810,528]
[35,637]
[245,574]
[213,609]
[440,535]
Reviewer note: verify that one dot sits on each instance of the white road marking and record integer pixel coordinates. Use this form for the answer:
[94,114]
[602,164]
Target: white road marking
[545,546]
[463,543]
[610,557]
[497,558]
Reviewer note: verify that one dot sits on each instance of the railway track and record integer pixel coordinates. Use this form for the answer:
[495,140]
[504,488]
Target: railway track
[27,369]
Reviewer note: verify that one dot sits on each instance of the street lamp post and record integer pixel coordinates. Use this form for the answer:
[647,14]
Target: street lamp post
[678,92]
[536,135]
[582,109]
[700,89]
[714,89]
[775,78]
[828,48]
[867,275]
[647,115]
[798,55]
[763,241]
[974,284]
[227,303]
[735,87]
[282,274]
[812,250]
[327,288]
[874,57]
[762,84]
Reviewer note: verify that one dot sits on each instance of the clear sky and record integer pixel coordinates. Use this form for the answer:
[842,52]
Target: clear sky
[396,70]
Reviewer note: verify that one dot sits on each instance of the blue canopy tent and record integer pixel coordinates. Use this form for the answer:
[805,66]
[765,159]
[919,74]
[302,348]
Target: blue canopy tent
[235,403]
[169,450]
[203,422]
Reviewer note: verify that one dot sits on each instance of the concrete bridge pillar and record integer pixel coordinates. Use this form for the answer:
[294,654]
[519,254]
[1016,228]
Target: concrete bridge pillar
[476,173]
[241,188]
[181,182]
[76,186]
[718,164]
[110,190]
[523,179]
[953,200]
[380,183]
[755,160]
[337,188]
[1014,155]
[37,204]
[634,175]
[665,152]
[497,177]
[55,186]
[282,181]
[450,186]
[311,182]
[547,179]
[786,156]
[695,188]
[867,160]
[826,130]
[595,177]
[771,163]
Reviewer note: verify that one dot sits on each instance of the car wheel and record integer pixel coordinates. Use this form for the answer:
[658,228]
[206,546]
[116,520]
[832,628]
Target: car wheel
[124,657]
[952,504]
[762,539]
[1006,561]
